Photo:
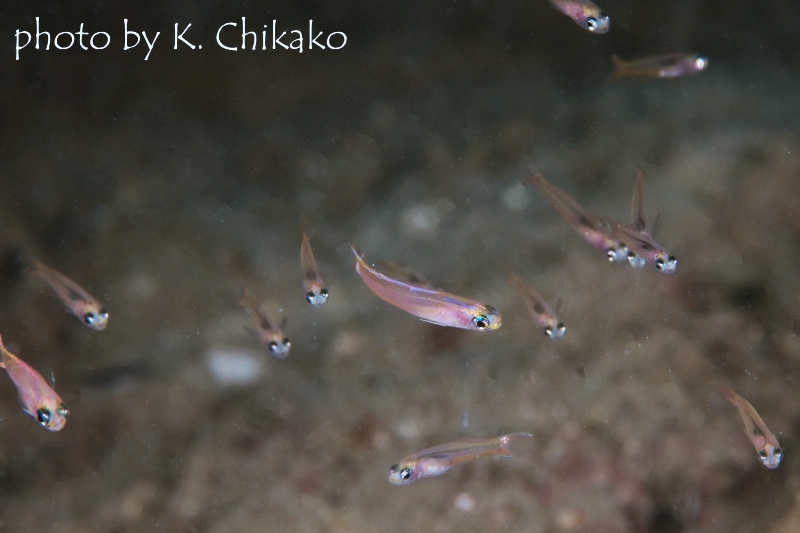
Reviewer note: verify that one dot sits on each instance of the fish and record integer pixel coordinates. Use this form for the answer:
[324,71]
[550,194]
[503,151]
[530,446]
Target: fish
[769,451]
[38,399]
[313,286]
[637,236]
[431,305]
[437,460]
[543,315]
[663,66]
[79,302]
[270,333]
[592,228]
[585,14]
[637,217]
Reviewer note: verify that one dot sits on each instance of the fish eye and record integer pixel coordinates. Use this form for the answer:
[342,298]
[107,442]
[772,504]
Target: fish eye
[603,16]
[611,254]
[660,264]
[393,469]
[324,293]
[287,342]
[89,318]
[591,23]
[480,322]
[273,346]
[310,297]
[561,327]
[548,331]
[763,455]
[405,474]
[43,416]
[103,313]
[62,411]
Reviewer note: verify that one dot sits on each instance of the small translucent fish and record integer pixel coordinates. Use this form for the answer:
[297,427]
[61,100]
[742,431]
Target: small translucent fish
[313,286]
[268,331]
[38,399]
[543,315]
[439,459]
[585,14]
[665,66]
[592,228]
[79,302]
[637,217]
[431,305]
[769,451]
[637,236]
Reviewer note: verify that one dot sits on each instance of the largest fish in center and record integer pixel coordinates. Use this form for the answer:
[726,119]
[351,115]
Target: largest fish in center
[431,305]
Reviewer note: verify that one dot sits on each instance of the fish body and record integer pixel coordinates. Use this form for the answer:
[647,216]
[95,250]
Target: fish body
[439,459]
[38,399]
[79,302]
[268,331]
[543,315]
[432,305]
[585,14]
[593,229]
[769,451]
[664,66]
[314,288]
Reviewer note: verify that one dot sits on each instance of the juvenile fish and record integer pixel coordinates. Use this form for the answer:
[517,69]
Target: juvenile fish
[592,228]
[38,399]
[79,302]
[637,236]
[543,315]
[665,66]
[268,331]
[439,459]
[585,14]
[431,305]
[769,451]
[313,286]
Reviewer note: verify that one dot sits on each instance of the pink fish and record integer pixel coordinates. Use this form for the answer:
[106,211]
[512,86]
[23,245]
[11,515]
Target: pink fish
[769,451]
[79,302]
[313,286]
[592,228]
[270,333]
[431,305]
[38,399]
[439,459]
[664,66]
[585,14]
[543,315]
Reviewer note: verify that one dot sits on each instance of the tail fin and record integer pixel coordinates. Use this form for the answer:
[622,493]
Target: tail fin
[356,250]
[535,176]
[516,444]
[727,392]
[307,233]
[619,69]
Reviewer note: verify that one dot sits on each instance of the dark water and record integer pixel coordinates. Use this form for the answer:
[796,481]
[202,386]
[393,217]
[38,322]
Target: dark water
[163,186]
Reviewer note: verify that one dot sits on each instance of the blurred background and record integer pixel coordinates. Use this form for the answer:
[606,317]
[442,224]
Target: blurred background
[163,187]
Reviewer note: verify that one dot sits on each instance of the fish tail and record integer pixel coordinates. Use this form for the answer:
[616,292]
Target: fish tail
[535,176]
[307,233]
[619,69]
[356,250]
[727,392]
[516,444]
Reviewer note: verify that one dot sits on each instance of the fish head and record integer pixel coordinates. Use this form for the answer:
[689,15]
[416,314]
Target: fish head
[665,263]
[487,319]
[52,415]
[317,296]
[555,331]
[597,21]
[616,252]
[402,474]
[636,261]
[770,456]
[95,317]
[279,346]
